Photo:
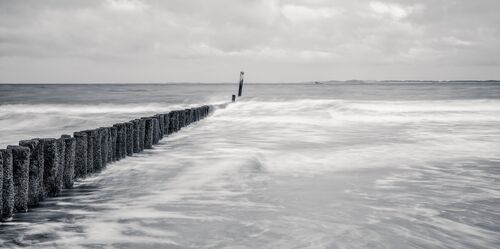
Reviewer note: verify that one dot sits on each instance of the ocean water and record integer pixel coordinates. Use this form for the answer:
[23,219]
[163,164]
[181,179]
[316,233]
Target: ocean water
[345,165]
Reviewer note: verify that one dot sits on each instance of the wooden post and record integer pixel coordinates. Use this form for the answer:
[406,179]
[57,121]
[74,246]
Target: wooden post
[36,171]
[61,152]
[80,154]
[69,161]
[129,127]
[8,185]
[136,135]
[240,90]
[149,130]
[233,98]
[51,165]
[21,174]
[114,141]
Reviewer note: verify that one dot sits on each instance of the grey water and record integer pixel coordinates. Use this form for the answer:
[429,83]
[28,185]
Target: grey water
[344,165]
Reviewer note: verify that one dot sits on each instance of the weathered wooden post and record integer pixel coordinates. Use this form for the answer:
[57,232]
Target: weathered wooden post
[240,89]
[182,119]
[142,134]
[1,185]
[90,151]
[109,142]
[149,130]
[97,165]
[35,182]
[118,146]
[130,138]
[69,161]
[121,141]
[160,125]
[8,185]
[114,141]
[174,123]
[135,135]
[51,165]
[233,98]
[156,130]
[21,173]
[61,152]
[80,154]
[166,124]
[103,135]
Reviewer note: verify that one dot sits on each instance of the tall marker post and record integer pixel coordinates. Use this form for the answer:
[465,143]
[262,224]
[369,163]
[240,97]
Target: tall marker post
[241,84]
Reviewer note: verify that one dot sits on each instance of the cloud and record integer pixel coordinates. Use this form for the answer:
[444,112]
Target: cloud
[279,40]
[391,10]
[297,13]
[126,5]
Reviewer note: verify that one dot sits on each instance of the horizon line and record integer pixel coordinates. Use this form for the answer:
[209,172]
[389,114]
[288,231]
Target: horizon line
[192,82]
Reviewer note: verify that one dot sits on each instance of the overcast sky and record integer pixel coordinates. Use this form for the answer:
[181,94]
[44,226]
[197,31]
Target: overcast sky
[272,40]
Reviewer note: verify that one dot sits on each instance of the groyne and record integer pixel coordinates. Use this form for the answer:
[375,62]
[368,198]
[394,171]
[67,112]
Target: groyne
[41,168]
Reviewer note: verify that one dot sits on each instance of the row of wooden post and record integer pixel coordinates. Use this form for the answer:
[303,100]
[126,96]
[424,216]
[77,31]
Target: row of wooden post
[42,167]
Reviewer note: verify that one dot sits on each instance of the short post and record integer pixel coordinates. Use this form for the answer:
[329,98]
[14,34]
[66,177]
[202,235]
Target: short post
[97,150]
[233,98]
[149,133]
[36,171]
[136,131]
[109,141]
[61,153]
[161,123]
[142,134]
[80,154]
[69,161]
[166,124]
[129,126]
[240,89]
[21,173]
[114,140]
[8,185]
[90,152]
[103,134]
[51,165]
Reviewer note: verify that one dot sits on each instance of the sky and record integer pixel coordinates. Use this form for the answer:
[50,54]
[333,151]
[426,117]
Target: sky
[139,41]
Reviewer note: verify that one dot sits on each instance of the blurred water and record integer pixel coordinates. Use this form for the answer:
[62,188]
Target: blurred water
[380,165]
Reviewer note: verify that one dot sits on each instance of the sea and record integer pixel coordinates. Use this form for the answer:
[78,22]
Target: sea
[333,165]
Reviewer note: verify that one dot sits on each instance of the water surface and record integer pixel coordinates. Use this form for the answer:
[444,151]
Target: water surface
[381,165]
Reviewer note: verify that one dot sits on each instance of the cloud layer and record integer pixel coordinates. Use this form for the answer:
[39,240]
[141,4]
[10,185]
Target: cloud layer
[273,40]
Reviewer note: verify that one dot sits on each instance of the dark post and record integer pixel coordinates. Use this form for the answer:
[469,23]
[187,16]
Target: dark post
[80,154]
[97,151]
[21,173]
[103,135]
[156,130]
[8,185]
[130,138]
[182,119]
[149,130]
[36,171]
[109,142]
[114,141]
[69,161]
[166,124]
[240,89]
[61,152]
[233,98]
[137,130]
[51,164]
[90,151]
[161,120]
[119,141]
[142,133]
[1,185]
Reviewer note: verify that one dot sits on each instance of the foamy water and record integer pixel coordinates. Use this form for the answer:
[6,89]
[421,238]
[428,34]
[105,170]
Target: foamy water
[303,166]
